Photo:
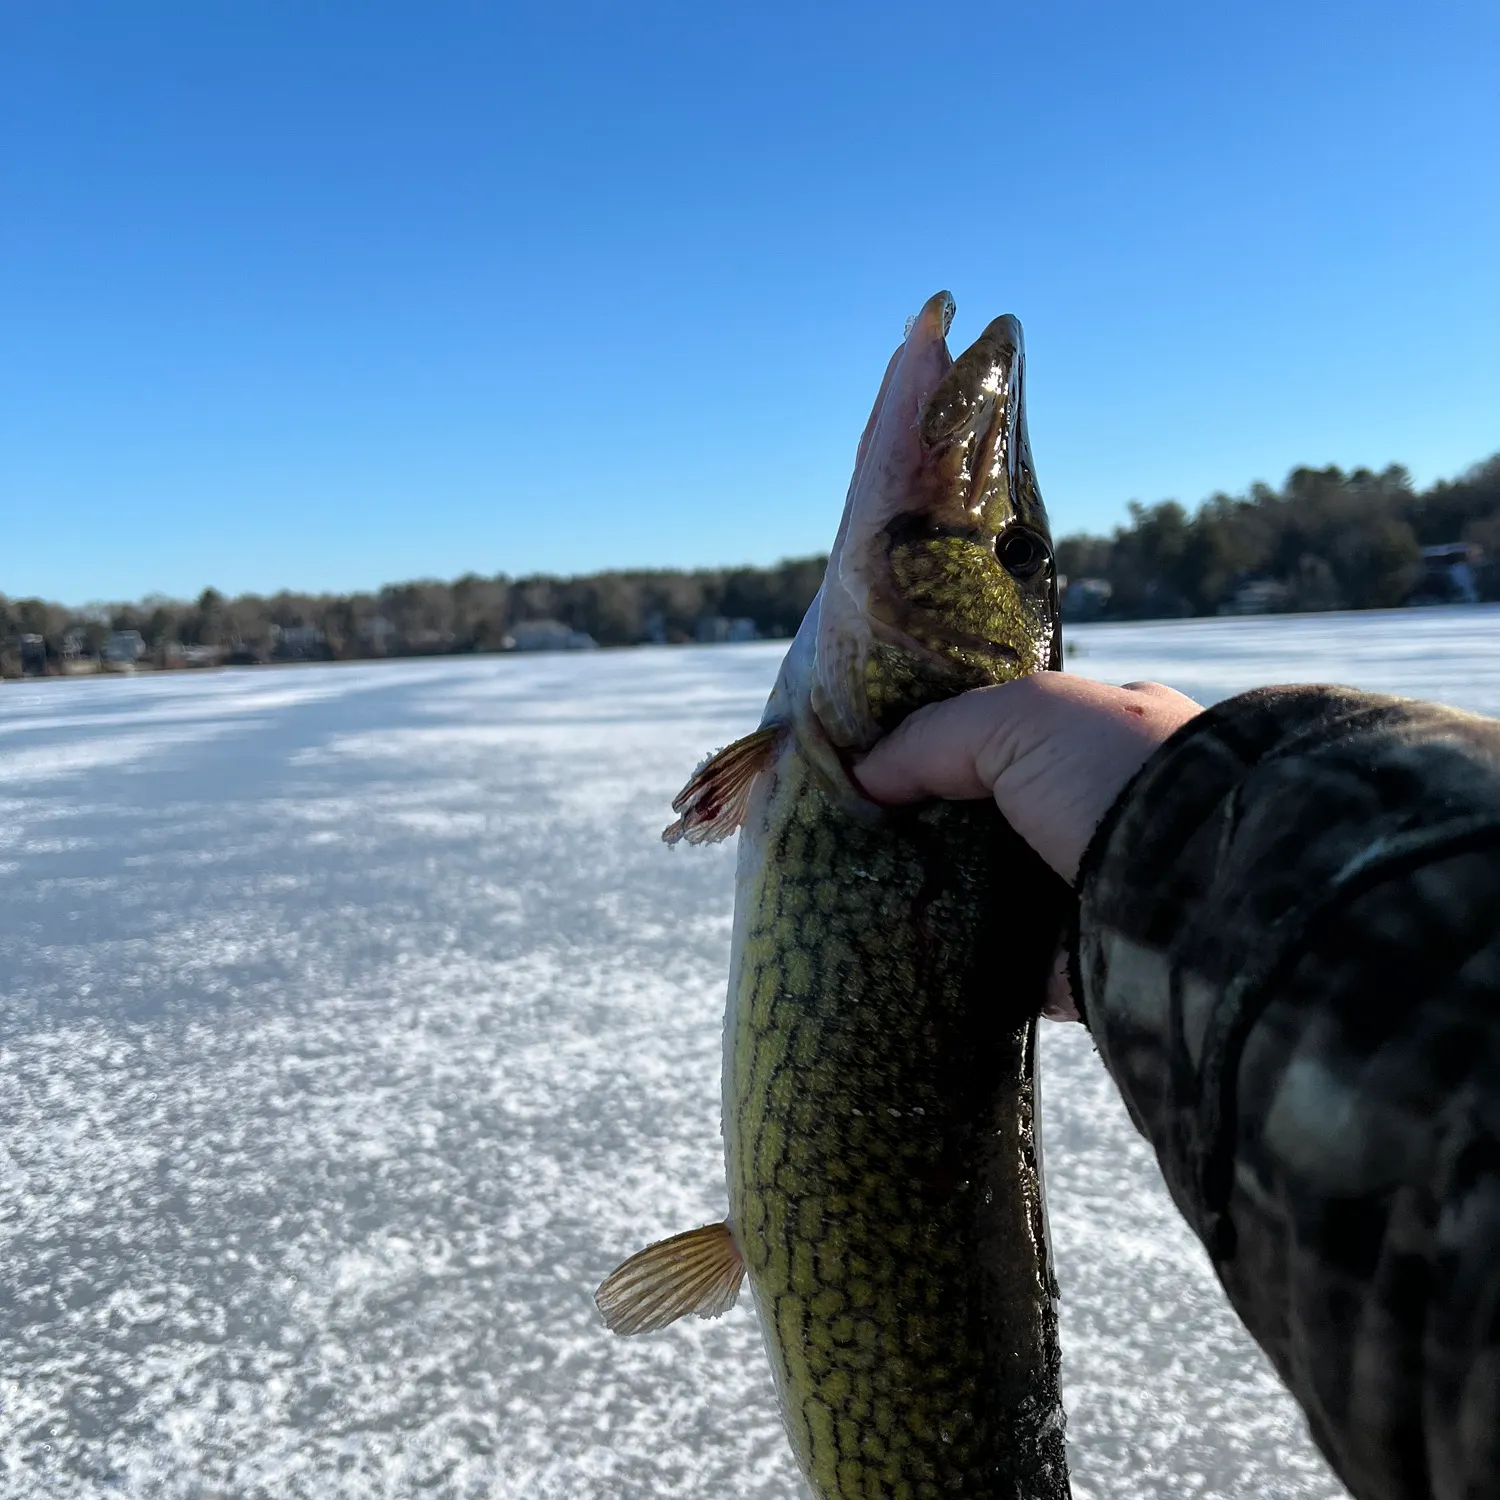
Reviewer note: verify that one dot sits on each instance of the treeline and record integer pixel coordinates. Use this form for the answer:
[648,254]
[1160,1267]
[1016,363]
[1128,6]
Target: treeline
[474,613]
[1325,540]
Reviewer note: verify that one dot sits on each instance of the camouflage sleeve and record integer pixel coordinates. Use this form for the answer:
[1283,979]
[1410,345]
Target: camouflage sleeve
[1289,957]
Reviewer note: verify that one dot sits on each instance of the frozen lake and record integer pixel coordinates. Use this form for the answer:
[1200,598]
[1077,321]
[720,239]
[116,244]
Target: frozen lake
[354,1022]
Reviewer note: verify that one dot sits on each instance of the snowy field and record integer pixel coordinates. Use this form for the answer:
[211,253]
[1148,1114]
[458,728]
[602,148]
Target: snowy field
[354,1022]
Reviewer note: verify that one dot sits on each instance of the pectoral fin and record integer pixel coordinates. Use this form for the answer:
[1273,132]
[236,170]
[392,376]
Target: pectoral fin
[713,803]
[697,1272]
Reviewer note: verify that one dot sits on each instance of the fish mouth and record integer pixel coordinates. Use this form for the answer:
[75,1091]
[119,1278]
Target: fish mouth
[956,427]
[972,426]
[916,372]
[943,458]
[968,463]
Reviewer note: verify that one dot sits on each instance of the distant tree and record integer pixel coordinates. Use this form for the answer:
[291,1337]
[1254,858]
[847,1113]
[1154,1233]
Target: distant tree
[1083,556]
[161,627]
[1376,564]
[1451,510]
[339,623]
[609,609]
[1311,586]
[247,626]
[204,624]
[1485,535]
[535,598]
[466,606]
[37,617]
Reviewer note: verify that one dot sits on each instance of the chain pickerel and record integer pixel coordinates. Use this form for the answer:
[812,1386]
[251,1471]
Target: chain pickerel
[887,967]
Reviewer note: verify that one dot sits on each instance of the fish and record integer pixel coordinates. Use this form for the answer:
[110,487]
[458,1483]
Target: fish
[887,968]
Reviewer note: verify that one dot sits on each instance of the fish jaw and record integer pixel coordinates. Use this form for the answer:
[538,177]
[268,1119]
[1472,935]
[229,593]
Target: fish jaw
[941,576]
[886,476]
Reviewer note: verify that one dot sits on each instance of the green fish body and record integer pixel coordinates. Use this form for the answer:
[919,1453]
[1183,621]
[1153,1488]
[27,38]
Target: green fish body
[880,1111]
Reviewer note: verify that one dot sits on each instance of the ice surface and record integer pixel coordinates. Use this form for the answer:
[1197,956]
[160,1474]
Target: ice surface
[355,1023]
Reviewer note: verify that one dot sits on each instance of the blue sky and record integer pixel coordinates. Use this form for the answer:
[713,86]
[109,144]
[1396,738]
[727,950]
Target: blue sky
[323,295]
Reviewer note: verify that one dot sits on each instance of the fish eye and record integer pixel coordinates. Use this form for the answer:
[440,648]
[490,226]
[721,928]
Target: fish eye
[1022,553]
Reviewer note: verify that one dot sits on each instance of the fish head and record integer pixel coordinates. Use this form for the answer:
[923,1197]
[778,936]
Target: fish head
[942,577]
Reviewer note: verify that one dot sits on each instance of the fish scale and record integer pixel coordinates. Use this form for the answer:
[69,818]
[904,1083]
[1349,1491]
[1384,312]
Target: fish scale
[879,1150]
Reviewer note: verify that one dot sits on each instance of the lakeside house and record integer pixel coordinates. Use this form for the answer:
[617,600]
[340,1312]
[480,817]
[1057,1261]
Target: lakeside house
[380,632]
[1085,599]
[33,655]
[175,654]
[1449,574]
[719,630]
[549,635]
[122,649]
[1257,596]
[298,643]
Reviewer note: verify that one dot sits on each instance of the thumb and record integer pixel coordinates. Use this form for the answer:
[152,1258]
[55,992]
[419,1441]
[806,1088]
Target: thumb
[1053,750]
[963,747]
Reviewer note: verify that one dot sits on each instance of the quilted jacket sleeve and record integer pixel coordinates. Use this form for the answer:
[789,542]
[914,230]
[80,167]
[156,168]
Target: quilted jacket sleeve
[1289,957]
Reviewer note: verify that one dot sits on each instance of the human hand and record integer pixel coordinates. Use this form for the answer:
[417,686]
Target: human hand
[1053,750]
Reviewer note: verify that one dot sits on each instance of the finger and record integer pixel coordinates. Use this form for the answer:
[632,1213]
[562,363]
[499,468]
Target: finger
[1167,698]
[960,748]
[936,752]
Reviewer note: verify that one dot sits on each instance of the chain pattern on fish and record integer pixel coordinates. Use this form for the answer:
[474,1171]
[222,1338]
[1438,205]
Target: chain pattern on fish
[881,1158]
